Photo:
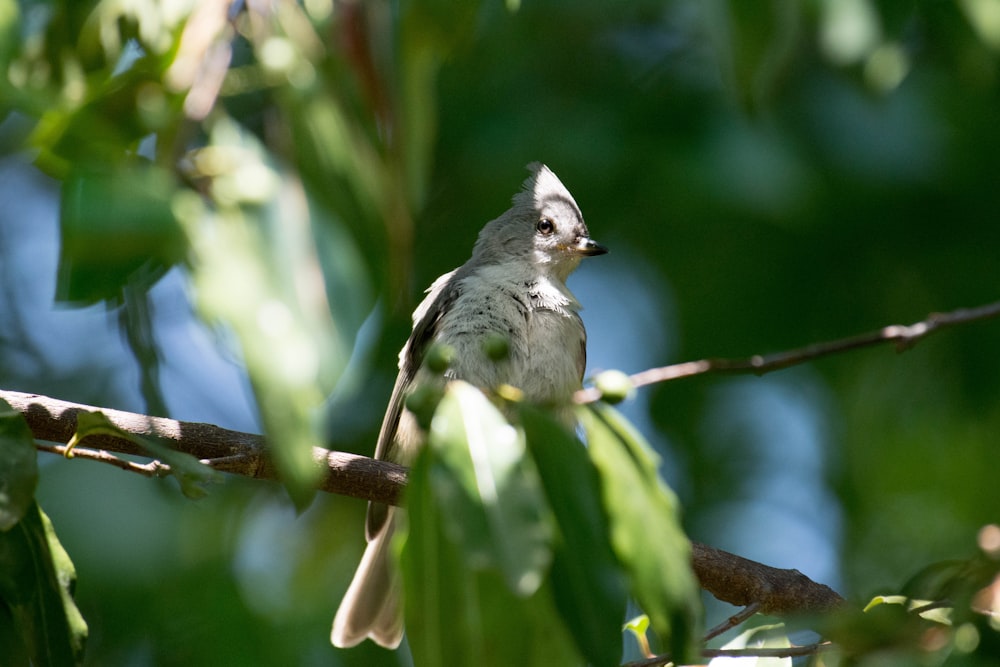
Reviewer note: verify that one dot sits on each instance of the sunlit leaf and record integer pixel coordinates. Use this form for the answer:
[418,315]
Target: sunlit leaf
[340,167]
[885,599]
[461,606]
[885,623]
[638,627]
[496,505]
[18,466]
[982,16]
[255,270]
[645,529]
[36,586]
[9,32]
[936,613]
[586,577]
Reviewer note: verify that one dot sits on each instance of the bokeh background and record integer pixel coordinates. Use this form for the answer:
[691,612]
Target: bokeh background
[767,175]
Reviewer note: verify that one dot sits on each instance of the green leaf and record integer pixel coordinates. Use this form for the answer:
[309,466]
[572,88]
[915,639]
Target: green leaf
[342,169]
[18,466]
[190,473]
[9,33]
[255,269]
[645,529]
[114,221]
[886,599]
[936,614]
[496,508]
[587,579]
[885,624]
[36,585]
[638,627]
[460,612]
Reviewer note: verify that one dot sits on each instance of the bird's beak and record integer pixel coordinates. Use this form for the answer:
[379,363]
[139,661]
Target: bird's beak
[588,247]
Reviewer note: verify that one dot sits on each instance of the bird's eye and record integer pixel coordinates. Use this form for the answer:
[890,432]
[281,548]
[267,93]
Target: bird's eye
[545,226]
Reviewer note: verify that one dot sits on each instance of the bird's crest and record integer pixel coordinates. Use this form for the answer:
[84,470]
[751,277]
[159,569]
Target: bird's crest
[541,186]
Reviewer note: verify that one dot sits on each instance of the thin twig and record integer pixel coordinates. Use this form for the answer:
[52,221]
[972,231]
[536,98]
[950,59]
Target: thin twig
[903,336]
[733,621]
[54,420]
[782,652]
[152,469]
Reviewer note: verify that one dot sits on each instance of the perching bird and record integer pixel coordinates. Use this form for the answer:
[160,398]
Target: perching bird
[513,286]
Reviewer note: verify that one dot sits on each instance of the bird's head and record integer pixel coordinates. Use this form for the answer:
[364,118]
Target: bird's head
[544,226]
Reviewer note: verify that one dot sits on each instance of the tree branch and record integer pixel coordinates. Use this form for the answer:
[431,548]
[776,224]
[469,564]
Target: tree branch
[734,620]
[728,577]
[224,450]
[744,582]
[903,336]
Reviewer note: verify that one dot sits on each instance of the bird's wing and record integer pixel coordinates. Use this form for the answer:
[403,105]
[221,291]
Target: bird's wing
[426,319]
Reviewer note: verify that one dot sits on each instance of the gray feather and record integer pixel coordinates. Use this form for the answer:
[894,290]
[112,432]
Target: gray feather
[513,285]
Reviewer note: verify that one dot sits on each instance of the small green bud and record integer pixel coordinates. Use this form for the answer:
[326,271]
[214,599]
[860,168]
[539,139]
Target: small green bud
[510,393]
[497,347]
[614,386]
[439,358]
[422,402]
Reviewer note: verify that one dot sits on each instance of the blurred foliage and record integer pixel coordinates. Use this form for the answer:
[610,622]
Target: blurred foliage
[39,620]
[477,545]
[777,173]
[644,530]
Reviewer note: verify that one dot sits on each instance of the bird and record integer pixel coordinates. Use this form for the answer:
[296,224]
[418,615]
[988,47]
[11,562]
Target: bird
[513,286]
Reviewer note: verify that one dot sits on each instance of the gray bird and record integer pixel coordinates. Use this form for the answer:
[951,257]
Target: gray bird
[513,286]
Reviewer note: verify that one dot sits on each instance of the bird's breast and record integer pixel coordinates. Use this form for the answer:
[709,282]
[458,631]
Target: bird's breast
[544,333]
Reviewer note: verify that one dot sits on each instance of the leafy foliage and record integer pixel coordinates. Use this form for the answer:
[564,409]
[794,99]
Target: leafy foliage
[18,467]
[587,578]
[788,172]
[645,530]
[36,594]
[477,548]
[478,516]
[39,621]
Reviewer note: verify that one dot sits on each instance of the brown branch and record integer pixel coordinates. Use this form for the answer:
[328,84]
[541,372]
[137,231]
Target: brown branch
[903,336]
[228,451]
[744,582]
[728,577]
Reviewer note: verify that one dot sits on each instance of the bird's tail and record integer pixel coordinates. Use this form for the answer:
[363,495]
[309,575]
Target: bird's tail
[371,606]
